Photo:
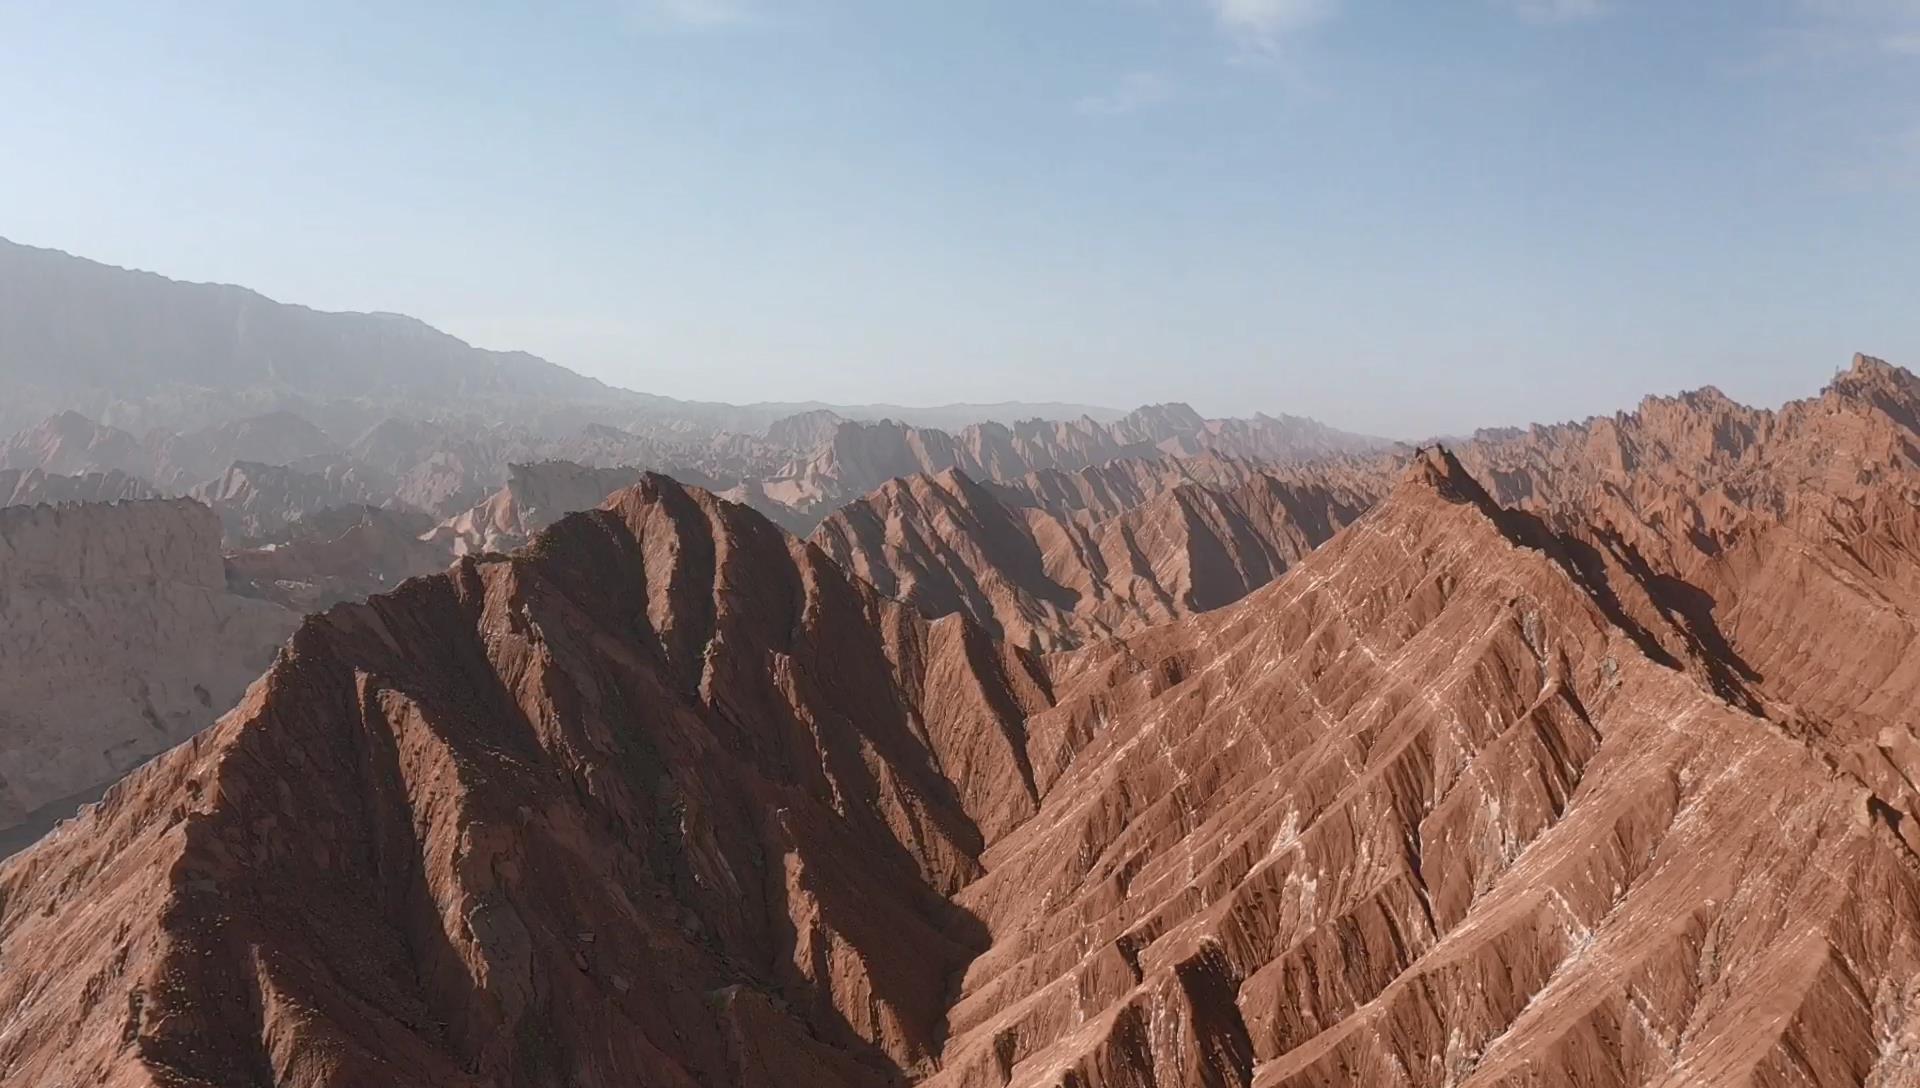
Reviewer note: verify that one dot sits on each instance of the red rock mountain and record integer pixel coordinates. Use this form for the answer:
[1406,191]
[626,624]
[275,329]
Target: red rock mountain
[1474,794]
[861,457]
[1057,558]
[536,496]
[665,796]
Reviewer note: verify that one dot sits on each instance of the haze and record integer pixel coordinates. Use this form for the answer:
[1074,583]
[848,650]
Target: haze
[1401,219]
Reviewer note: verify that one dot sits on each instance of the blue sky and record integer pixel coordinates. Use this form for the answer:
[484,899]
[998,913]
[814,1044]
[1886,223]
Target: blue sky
[1405,218]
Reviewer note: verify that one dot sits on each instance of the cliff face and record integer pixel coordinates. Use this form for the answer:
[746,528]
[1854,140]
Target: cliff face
[667,797]
[118,638]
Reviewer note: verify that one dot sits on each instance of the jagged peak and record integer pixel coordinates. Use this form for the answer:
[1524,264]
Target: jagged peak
[1868,371]
[1878,385]
[1436,469]
[1704,398]
[1870,364]
[955,477]
[1171,410]
[652,488]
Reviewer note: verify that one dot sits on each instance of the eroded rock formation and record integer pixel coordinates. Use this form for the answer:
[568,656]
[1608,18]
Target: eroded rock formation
[661,797]
[860,457]
[1056,558]
[1473,794]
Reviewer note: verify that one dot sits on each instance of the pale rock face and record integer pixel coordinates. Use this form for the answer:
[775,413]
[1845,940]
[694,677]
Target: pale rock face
[118,639]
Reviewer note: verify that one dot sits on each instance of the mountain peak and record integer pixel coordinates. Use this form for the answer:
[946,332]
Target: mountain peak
[1436,469]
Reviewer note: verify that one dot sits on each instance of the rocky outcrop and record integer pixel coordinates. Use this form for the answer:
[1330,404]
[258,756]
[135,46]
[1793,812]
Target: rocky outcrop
[118,639]
[1057,558]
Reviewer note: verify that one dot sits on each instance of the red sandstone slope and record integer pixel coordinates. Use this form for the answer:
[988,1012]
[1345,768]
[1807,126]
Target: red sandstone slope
[1057,558]
[660,798]
[668,798]
[1780,545]
[1426,812]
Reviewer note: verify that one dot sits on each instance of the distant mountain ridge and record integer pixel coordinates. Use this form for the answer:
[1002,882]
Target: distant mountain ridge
[139,350]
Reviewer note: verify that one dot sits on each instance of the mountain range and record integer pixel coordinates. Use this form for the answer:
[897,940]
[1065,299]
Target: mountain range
[141,351]
[1140,751]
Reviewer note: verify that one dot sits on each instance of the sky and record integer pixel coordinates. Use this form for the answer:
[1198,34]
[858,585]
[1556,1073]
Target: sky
[1400,218]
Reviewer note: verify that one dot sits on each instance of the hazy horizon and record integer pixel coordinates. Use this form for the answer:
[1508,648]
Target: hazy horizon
[1402,222]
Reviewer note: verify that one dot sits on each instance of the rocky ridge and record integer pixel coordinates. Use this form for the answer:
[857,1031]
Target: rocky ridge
[1057,558]
[861,457]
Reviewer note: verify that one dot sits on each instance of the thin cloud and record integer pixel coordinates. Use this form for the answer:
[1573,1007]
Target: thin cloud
[1891,26]
[1136,91]
[1889,162]
[1264,23]
[690,14]
[1557,11]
